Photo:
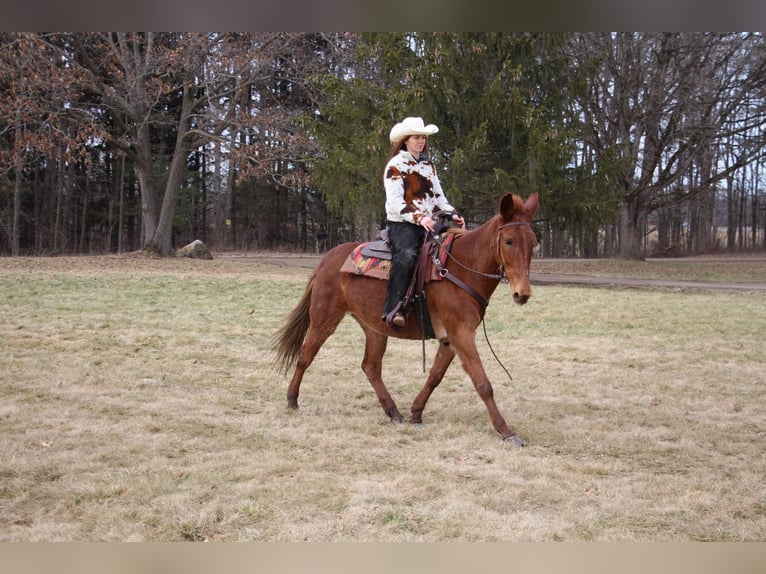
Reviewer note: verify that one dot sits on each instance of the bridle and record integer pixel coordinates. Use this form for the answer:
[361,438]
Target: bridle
[499,276]
[497,242]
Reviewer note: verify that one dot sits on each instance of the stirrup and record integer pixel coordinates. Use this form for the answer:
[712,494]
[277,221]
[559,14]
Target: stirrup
[395,317]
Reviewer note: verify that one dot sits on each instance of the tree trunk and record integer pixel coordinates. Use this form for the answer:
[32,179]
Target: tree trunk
[219,211]
[609,240]
[84,218]
[731,214]
[121,209]
[18,178]
[231,184]
[163,235]
[143,169]
[631,232]
[763,226]
[663,230]
[754,203]
[741,220]
[201,220]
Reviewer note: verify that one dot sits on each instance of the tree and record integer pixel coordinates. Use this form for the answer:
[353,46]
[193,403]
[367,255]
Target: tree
[657,105]
[283,135]
[493,96]
[197,87]
[40,125]
[135,76]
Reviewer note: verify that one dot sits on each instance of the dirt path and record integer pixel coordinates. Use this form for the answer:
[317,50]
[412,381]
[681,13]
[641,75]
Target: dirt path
[537,278]
[580,279]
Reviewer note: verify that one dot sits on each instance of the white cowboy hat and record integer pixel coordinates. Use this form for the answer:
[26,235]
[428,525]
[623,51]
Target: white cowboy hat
[411,127]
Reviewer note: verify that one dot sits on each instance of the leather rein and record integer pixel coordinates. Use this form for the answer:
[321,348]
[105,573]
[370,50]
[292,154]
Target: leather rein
[499,276]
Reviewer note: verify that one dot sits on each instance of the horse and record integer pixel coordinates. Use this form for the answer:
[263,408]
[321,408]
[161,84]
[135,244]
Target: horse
[499,249]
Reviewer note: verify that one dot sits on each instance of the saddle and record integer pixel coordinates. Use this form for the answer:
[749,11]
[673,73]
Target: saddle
[373,259]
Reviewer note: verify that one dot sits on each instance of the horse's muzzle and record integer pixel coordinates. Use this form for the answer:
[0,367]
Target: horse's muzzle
[520,299]
[520,287]
[521,296]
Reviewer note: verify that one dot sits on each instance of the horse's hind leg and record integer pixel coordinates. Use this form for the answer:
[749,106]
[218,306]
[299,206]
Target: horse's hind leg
[442,361]
[372,365]
[315,338]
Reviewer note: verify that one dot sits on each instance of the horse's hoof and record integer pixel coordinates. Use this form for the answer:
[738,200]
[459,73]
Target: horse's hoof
[515,440]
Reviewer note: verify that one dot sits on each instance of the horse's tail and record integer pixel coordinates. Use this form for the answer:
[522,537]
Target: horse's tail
[287,342]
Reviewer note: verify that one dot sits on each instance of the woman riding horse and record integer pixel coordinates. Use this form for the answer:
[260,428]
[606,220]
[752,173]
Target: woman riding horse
[414,196]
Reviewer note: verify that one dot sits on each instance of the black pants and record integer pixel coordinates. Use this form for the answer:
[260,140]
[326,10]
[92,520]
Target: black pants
[404,239]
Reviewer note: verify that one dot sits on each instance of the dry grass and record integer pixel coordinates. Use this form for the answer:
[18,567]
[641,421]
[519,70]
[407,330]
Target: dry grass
[739,268]
[137,402]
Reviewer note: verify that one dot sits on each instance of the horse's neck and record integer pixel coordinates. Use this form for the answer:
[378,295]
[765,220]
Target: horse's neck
[476,248]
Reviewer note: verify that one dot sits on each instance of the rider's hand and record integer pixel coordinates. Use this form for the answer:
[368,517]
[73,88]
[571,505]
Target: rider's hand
[459,219]
[427,222]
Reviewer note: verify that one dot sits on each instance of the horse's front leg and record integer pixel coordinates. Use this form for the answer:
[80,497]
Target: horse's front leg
[442,361]
[465,346]
[372,365]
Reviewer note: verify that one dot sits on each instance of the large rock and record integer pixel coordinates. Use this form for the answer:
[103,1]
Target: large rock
[196,250]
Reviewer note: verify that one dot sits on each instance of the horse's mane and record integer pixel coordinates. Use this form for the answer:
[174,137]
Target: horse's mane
[456,230]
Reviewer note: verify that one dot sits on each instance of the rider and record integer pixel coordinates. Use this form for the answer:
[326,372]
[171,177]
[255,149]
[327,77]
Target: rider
[413,198]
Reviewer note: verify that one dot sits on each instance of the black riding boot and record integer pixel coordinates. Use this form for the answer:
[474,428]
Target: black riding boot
[404,239]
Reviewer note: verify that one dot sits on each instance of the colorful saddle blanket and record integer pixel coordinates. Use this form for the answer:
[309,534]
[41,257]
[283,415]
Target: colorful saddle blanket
[373,259]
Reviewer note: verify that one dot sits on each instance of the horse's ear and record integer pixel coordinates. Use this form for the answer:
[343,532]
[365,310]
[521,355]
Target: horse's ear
[505,208]
[531,205]
[510,203]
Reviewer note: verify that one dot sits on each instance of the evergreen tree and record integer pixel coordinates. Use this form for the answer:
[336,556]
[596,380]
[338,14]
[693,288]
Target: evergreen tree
[494,96]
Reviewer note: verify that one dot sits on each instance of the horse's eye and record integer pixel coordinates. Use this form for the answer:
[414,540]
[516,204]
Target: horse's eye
[509,242]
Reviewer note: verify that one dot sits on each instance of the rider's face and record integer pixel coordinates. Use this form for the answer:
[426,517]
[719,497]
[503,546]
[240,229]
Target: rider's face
[415,144]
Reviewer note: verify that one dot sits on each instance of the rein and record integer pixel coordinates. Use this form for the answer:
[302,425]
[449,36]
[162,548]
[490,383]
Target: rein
[444,273]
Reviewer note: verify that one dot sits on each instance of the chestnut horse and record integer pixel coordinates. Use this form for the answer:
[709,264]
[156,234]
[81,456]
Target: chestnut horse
[499,249]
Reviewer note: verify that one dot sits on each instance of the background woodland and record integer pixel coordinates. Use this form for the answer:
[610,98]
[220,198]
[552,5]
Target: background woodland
[639,143]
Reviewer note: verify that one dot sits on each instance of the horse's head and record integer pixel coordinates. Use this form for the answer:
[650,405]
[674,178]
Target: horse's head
[515,242]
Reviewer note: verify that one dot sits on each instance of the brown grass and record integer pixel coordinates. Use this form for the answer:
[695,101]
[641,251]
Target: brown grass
[739,268]
[138,402]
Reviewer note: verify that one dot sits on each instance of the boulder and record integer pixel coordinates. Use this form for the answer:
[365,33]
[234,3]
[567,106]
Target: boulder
[196,250]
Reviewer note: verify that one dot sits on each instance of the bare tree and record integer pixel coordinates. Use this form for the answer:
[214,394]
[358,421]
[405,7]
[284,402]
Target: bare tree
[39,126]
[658,105]
[135,74]
[189,84]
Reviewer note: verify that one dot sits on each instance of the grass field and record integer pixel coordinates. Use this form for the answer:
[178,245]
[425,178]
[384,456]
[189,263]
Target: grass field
[138,402]
[742,268]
